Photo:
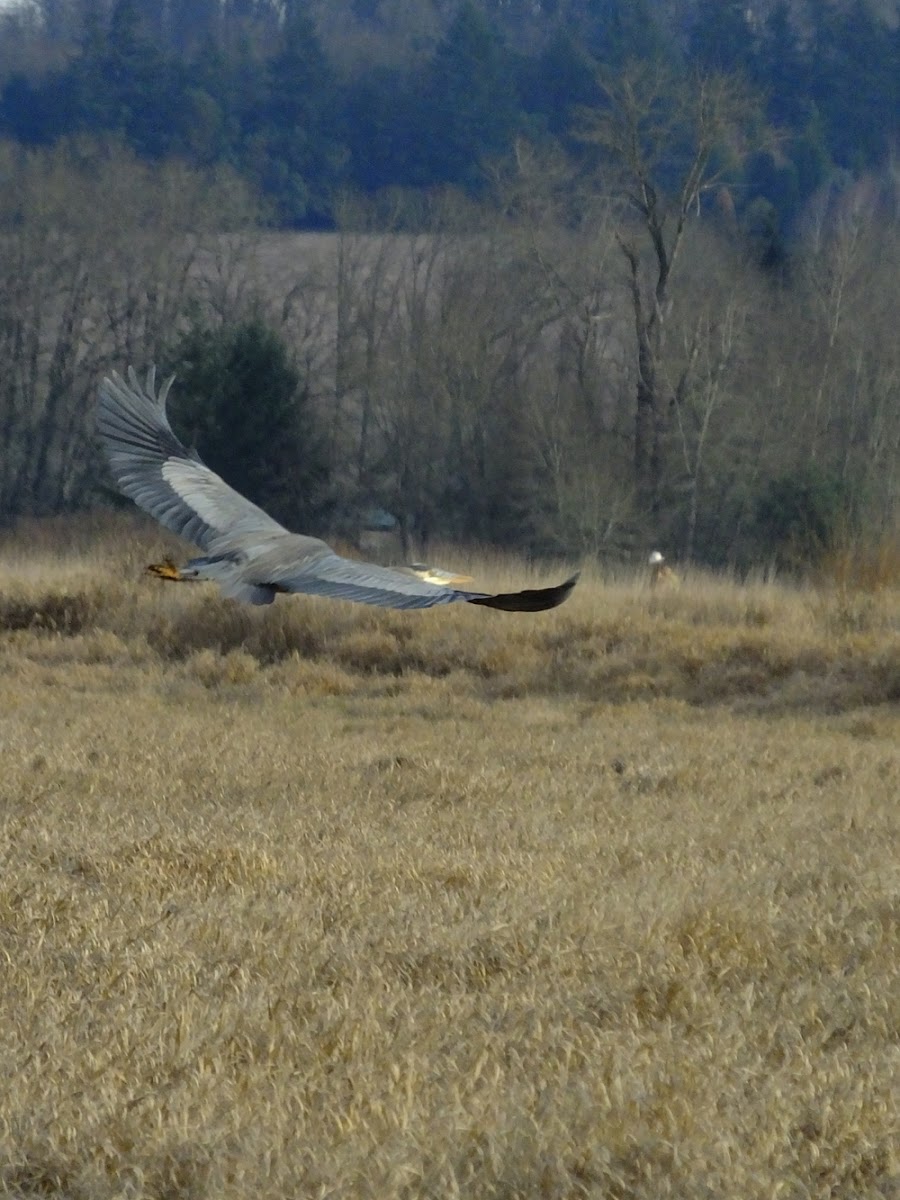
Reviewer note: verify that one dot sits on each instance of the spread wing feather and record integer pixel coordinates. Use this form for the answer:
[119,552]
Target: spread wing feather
[345,579]
[152,467]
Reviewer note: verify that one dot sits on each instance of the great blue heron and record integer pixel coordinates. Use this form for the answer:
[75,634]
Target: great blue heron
[247,552]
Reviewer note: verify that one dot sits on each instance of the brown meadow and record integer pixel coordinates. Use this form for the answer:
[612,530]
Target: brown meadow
[319,900]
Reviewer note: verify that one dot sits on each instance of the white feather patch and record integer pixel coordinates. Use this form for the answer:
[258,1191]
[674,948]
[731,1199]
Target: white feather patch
[198,488]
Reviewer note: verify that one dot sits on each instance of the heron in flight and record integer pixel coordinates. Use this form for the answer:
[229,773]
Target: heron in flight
[247,552]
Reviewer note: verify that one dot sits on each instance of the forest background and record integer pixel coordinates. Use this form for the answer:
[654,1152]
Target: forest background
[581,277]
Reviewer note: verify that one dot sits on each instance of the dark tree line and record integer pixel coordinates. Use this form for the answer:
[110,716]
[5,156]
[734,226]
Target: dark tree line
[308,99]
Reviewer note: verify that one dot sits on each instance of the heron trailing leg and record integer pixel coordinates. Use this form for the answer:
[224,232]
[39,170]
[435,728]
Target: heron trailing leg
[168,570]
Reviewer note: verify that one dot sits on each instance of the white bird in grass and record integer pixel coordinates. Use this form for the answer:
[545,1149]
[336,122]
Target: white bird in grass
[248,553]
[661,575]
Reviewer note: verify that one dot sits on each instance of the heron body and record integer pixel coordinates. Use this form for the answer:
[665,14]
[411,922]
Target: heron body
[248,553]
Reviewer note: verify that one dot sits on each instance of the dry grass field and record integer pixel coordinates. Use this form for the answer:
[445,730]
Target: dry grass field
[321,901]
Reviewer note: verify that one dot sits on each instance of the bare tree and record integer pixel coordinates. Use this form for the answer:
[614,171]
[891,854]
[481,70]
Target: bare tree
[663,144]
[850,419]
[469,315]
[368,295]
[98,266]
[704,387]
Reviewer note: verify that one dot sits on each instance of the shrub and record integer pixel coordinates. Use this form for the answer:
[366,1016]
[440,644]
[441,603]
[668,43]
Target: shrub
[243,406]
[798,515]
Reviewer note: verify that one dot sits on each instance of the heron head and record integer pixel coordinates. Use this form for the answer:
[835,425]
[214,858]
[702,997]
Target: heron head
[656,558]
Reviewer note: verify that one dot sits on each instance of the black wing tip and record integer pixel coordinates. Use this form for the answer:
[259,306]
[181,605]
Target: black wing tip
[530,600]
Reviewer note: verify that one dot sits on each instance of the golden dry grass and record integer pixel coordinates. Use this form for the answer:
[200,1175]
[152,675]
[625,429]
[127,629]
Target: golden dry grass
[321,901]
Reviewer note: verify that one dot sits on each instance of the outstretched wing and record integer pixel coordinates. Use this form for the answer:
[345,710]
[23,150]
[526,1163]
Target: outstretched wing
[152,467]
[328,574]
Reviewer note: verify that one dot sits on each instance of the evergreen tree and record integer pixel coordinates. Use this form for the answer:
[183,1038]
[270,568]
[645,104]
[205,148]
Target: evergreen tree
[36,114]
[854,81]
[617,31]
[378,126]
[721,38]
[243,408]
[153,17]
[121,83]
[558,80]
[291,140]
[468,109]
[781,69]
[800,514]
[193,25]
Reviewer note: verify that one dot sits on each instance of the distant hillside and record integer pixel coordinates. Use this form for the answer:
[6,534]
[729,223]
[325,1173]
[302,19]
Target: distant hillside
[310,101]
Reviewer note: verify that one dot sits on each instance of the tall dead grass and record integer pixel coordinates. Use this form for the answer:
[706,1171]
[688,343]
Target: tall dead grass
[321,901]
[762,644]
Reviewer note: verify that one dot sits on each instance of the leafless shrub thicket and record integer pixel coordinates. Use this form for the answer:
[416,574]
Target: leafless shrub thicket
[485,383]
[98,267]
[481,380]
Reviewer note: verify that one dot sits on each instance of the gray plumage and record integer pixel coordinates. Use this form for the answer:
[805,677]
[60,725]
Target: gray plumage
[249,554]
